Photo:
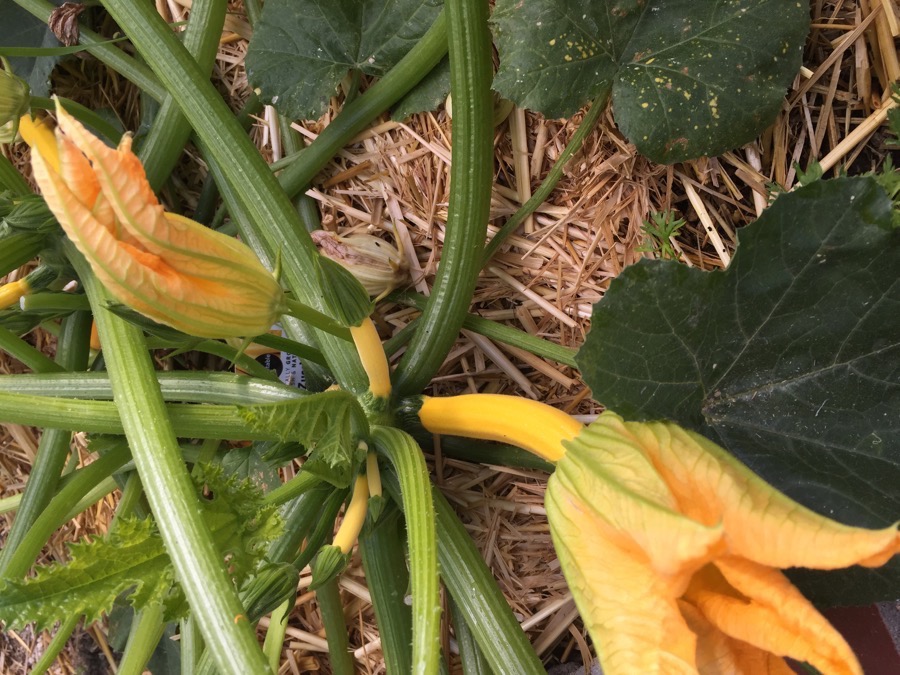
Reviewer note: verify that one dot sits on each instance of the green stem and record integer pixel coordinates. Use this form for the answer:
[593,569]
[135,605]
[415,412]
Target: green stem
[57,644]
[163,145]
[300,484]
[52,301]
[146,630]
[587,125]
[267,209]
[300,515]
[274,642]
[102,417]
[384,561]
[191,646]
[329,597]
[471,177]
[173,499]
[53,447]
[304,352]
[324,528]
[502,333]
[57,510]
[473,588]
[99,47]
[356,116]
[406,458]
[317,319]
[11,179]
[187,386]
[82,114]
[473,661]
[16,347]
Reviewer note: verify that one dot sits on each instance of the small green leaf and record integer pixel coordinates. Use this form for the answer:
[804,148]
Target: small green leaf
[301,49]
[18,28]
[789,358]
[131,557]
[325,423]
[688,77]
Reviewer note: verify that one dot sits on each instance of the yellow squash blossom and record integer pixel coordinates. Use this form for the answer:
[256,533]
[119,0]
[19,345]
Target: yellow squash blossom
[673,551]
[167,267]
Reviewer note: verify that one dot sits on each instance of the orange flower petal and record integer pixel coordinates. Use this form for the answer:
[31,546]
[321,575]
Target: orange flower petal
[605,468]
[627,607]
[758,605]
[718,654]
[761,523]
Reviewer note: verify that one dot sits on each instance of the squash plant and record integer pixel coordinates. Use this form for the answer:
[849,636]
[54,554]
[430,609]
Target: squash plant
[673,546]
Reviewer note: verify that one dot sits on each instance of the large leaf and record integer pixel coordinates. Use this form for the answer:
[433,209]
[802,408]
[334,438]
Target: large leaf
[133,558]
[19,28]
[302,48]
[688,77]
[790,358]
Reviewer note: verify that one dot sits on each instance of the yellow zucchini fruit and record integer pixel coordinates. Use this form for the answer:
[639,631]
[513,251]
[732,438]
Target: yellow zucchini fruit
[530,425]
[372,357]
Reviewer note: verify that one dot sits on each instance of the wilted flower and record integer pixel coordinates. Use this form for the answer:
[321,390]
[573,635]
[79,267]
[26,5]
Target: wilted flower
[673,551]
[165,266]
[15,97]
[377,265]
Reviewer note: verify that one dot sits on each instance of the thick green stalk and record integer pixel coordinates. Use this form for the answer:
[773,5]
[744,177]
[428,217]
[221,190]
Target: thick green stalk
[406,458]
[57,511]
[173,499]
[471,176]
[53,449]
[300,515]
[33,358]
[384,561]
[502,333]
[102,417]
[473,661]
[472,586]
[11,179]
[54,301]
[146,630]
[162,146]
[275,633]
[296,487]
[324,528]
[266,207]
[60,638]
[356,116]
[329,598]
[550,180]
[187,386]
[99,47]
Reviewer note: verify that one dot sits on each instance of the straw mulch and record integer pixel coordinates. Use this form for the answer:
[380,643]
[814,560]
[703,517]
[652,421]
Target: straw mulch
[393,181]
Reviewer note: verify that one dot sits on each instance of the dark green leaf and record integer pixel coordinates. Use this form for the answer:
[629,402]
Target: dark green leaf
[301,49]
[427,95]
[252,463]
[790,358]
[19,28]
[688,77]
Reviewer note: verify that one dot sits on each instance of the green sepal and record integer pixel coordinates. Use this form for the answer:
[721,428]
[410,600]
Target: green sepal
[274,584]
[375,508]
[350,301]
[328,563]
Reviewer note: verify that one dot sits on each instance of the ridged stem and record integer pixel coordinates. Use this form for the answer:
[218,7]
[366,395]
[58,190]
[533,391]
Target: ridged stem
[406,458]
[53,448]
[328,596]
[173,499]
[471,176]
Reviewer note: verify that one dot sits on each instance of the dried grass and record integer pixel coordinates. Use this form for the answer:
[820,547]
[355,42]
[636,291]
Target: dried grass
[393,180]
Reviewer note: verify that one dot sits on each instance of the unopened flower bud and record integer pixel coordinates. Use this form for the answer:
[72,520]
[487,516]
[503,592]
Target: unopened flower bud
[15,96]
[377,265]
